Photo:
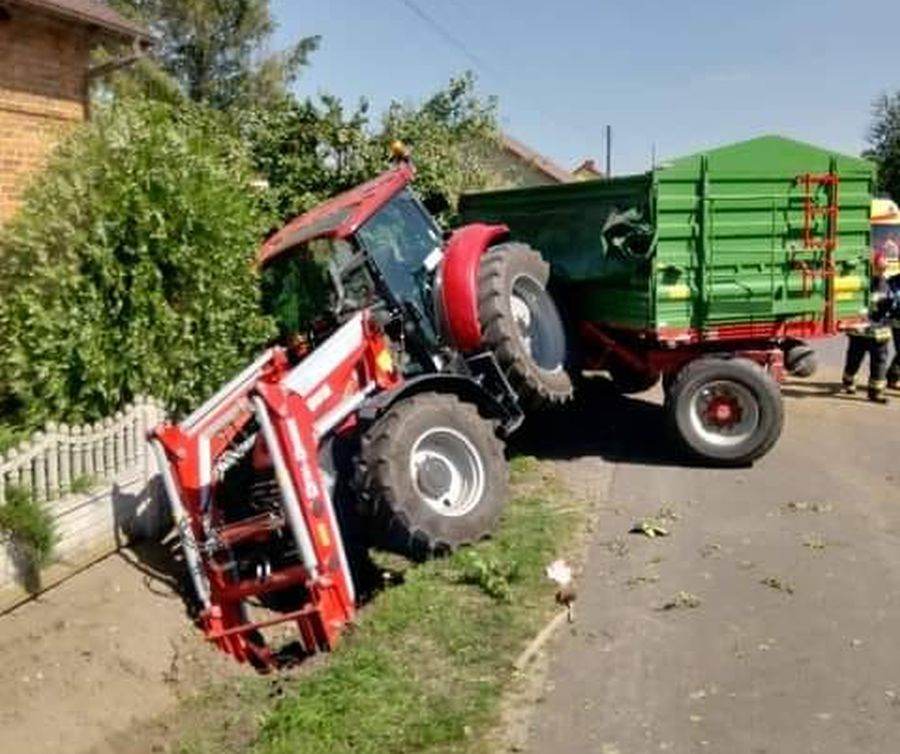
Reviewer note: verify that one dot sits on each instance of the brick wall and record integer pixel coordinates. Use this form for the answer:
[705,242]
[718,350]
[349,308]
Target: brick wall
[42,94]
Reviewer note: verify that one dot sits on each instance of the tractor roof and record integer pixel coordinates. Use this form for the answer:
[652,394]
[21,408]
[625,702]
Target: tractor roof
[340,216]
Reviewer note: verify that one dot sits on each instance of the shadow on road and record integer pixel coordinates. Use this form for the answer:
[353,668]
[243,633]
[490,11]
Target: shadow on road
[803,389]
[601,422]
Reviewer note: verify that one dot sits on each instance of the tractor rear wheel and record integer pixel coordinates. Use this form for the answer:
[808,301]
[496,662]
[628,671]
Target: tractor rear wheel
[725,411]
[521,324]
[436,471]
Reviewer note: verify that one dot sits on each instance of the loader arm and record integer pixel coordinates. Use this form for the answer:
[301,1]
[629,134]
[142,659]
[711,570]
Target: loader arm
[282,414]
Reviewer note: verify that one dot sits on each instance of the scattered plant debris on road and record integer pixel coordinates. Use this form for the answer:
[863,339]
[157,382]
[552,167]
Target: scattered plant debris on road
[804,507]
[642,579]
[815,542]
[682,601]
[713,549]
[775,583]
[650,527]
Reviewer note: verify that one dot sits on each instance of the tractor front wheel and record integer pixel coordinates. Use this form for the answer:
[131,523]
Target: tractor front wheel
[437,472]
[725,411]
[521,324]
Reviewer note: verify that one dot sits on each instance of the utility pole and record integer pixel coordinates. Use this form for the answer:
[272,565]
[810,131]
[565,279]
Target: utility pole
[609,151]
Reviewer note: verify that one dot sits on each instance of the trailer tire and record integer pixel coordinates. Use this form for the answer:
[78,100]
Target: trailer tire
[726,411]
[521,324]
[436,473]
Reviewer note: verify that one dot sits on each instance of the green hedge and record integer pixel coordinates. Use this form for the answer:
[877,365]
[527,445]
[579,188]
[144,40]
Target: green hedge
[129,269]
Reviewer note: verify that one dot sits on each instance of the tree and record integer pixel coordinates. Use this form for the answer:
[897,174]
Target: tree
[311,150]
[307,150]
[449,135]
[884,141]
[129,268]
[213,48]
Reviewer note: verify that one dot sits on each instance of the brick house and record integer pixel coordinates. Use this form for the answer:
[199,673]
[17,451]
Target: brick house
[45,75]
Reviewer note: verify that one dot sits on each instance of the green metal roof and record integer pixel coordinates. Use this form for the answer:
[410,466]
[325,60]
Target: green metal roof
[768,154]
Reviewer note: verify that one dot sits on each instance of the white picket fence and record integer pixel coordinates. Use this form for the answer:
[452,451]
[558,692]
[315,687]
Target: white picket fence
[97,480]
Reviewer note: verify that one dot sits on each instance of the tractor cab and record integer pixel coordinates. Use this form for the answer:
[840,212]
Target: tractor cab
[375,247]
[466,303]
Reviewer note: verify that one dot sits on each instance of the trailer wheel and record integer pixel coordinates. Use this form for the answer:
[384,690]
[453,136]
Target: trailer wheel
[726,411]
[800,359]
[521,324]
[436,471]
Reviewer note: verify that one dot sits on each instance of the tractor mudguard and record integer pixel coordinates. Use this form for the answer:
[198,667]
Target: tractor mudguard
[458,296]
[494,407]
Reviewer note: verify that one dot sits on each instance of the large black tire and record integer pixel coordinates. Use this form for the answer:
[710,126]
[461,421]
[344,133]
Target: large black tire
[726,412]
[531,349]
[412,483]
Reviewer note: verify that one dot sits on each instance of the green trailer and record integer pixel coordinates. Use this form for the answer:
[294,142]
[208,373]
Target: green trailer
[710,271]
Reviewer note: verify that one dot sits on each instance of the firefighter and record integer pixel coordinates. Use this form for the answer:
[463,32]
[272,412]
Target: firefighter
[872,338]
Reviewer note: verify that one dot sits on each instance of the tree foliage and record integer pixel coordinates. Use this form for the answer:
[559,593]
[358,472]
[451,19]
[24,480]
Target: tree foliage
[128,269]
[311,150]
[448,135]
[213,48]
[884,142]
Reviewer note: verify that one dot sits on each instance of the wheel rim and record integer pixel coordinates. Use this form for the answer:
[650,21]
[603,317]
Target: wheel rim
[447,471]
[724,413]
[537,323]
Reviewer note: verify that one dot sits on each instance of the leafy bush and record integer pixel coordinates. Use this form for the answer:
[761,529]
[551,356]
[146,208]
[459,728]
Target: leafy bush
[129,270]
[29,525]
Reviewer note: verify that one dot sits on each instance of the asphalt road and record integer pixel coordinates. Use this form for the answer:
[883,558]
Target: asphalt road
[788,636]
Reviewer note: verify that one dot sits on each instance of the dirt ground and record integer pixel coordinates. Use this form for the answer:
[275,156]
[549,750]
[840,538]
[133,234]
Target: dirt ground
[111,647]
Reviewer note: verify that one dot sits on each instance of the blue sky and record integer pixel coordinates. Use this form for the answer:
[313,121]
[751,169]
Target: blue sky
[683,74]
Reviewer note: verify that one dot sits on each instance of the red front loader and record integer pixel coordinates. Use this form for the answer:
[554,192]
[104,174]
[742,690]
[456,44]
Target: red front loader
[414,372]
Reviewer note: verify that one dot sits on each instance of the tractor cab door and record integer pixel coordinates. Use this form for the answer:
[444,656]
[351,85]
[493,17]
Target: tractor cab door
[404,245]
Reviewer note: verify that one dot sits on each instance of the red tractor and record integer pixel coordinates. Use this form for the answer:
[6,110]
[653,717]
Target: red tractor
[400,392]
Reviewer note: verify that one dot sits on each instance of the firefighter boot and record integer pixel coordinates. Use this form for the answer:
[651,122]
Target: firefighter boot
[848,384]
[877,392]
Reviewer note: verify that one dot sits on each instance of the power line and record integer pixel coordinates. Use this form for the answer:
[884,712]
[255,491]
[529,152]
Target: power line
[447,35]
[454,41]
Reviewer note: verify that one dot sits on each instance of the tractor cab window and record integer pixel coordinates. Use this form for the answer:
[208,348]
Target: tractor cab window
[398,238]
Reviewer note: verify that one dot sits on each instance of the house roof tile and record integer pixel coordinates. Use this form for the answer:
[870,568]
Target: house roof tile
[90,12]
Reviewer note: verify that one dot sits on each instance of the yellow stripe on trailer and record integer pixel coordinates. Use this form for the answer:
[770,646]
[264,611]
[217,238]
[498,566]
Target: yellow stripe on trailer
[679,292]
[848,284]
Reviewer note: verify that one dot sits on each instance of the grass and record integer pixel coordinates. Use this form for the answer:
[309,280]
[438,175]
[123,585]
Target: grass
[427,665]
[29,525]
[82,484]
